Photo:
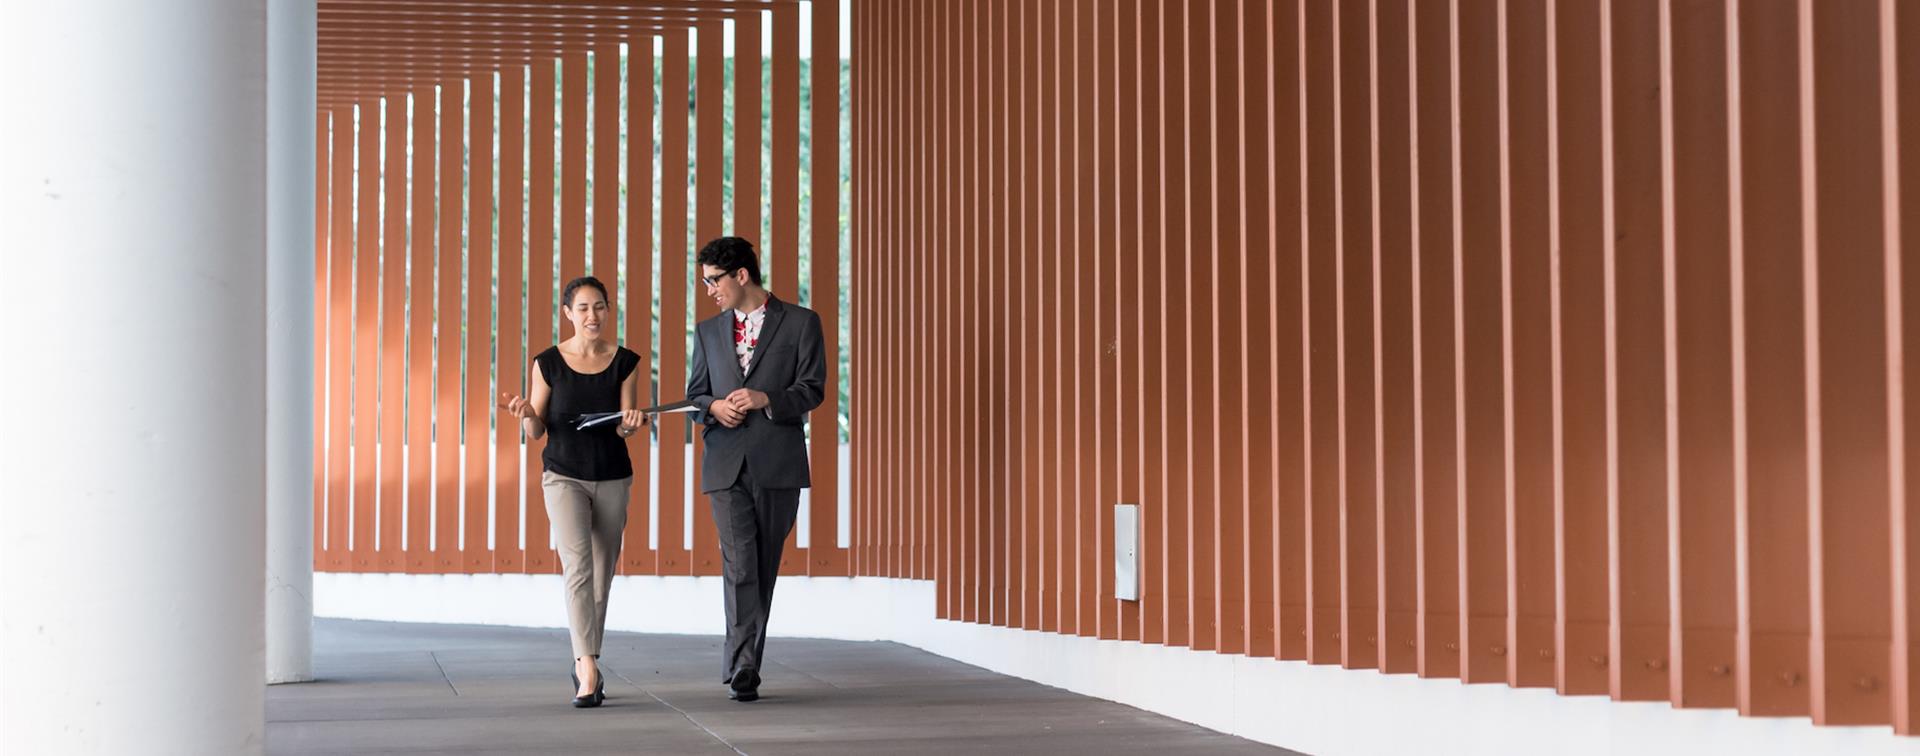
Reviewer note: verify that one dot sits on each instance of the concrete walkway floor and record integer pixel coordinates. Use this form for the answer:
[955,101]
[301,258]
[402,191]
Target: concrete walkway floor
[414,688]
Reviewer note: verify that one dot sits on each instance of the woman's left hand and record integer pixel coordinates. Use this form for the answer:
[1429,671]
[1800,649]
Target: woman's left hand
[631,421]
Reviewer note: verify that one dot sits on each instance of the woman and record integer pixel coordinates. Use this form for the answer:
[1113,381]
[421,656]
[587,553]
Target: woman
[587,469]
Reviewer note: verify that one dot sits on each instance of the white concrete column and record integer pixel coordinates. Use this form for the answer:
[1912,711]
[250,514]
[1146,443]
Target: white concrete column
[133,322]
[291,50]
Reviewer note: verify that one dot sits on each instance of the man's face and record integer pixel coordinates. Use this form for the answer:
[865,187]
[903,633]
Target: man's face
[728,290]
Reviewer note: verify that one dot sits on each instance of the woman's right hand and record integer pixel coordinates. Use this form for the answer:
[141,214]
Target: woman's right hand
[516,406]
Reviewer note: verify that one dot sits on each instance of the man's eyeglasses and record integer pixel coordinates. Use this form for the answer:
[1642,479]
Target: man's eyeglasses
[715,280]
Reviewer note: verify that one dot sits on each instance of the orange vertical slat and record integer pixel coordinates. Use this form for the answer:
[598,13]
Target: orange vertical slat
[864,530]
[941,316]
[956,583]
[884,475]
[889,519]
[1353,324]
[905,522]
[1847,508]
[918,253]
[366,333]
[605,177]
[874,420]
[747,92]
[1699,358]
[994,496]
[932,306]
[1904,320]
[478,551]
[1203,442]
[393,334]
[637,556]
[1043,329]
[707,224]
[970,499]
[930,182]
[1436,412]
[861,206]
[922,313]
[1582,579]
[447,329]
[340,352]
[1321,261]
[894,522]
[1058,316]
[987,540]
[991,536]
[1175,363]
[1769,390]
[954,251]
[900,552]
[573,173]
[888,453]
[1228,294]
[1481,313]
[1129,462]
[1286,146]
[960,507]
[1395,544]
[824,244]
[675,280]
[967,507]
[510,363]
[1150,327]
[1638,378]
[987,140]
[542,310]
[1529,286]
[1032,338]
[422,237]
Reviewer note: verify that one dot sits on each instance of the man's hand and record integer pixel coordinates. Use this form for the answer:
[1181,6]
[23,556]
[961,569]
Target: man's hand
[748,399]
[729,414]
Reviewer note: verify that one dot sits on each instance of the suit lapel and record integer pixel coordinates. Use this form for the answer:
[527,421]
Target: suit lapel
[775,312]
[721,333]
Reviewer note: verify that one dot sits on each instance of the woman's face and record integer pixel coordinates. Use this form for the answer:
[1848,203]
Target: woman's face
[588,311]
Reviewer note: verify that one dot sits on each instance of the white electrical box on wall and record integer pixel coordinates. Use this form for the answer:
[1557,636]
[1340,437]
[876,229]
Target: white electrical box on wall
[1126,552]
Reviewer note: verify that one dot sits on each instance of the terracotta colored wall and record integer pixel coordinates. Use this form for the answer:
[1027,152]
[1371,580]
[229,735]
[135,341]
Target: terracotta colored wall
[1551,344]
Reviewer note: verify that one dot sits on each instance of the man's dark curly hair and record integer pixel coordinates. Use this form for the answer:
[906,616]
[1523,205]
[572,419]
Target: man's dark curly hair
[731,253]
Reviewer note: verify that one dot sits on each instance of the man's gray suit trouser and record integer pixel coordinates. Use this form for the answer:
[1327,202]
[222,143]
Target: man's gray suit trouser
[752,523]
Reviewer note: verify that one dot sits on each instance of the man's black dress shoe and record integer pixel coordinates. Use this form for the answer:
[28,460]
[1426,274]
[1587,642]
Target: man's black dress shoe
[745,686]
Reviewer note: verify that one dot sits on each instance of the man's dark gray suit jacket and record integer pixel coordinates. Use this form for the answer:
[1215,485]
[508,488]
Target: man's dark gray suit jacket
[789,366]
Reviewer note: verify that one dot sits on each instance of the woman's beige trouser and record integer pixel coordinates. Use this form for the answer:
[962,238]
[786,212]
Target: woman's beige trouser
[588,517]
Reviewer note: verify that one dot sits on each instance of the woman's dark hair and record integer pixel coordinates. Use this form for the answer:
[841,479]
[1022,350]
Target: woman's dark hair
[731,253]
[566,295]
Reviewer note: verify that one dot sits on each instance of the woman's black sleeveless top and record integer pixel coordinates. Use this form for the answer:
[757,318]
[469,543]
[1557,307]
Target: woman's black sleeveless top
[597,453]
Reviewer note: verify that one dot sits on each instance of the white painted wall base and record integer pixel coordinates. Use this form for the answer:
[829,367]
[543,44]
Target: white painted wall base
[1318,709]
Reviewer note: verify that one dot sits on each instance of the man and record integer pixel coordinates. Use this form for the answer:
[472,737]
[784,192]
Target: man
[758,369]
